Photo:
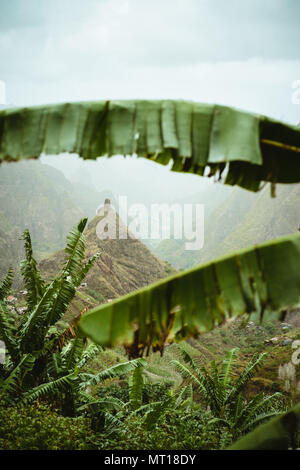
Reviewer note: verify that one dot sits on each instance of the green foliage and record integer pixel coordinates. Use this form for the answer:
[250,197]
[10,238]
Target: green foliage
[281,433]
[195,136]
[224,396]
[41,360]
[39,428]
[182,430]
[136,383]
[175,308]
[5,286]
[32,278]
[95,295]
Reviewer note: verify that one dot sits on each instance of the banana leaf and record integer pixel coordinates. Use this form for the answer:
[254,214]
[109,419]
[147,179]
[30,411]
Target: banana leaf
[262,281]
[196,137]
[280,433]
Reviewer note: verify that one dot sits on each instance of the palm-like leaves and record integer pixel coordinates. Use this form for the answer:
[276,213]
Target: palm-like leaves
[32,279]
[50,389]
[114,371]
[136,383]
[225,398]
[54,356]
[277,434]
[246,375]
[8,332]
[11,386]
[5,286]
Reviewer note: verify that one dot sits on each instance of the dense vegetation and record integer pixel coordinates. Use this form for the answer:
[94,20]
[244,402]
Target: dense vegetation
[52,398]
[47,377]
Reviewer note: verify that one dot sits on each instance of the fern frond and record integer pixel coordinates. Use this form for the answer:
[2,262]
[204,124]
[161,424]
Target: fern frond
[189,360]
[86,268]
[113,423]
[259,419]
[63,294]
[54,366]
[226,371]
[35,326]
[75,250]
[33,282]
[157,411]
[50,389]
[245,376]
[8,333]
[258,405]
[72,353]
[5,286]
[219,422]
[13,383]
[184,398]
[88,354]
[114,371]
[136,383]
[103,404]
[186,373]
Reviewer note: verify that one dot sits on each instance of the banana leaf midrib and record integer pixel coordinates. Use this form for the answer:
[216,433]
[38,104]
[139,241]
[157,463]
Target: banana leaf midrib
[195,136]
[178,275]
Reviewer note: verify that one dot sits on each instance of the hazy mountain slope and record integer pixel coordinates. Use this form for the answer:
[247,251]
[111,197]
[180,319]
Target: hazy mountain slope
[39,197]
[267,218]
[243,219]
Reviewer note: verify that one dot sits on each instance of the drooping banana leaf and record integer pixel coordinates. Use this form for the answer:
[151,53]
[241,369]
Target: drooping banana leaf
[261,281]
[278,434]
[253,148]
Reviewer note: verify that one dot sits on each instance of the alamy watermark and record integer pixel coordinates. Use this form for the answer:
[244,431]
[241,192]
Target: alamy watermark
[296,354]
[2,352]
[153,222]
[287,371]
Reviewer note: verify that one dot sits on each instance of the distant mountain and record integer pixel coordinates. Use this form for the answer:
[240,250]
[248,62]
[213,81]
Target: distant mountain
[124,265]
[39,197]
[243,219]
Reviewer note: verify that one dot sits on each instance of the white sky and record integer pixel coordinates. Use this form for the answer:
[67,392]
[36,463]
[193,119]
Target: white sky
[2,92]
[243,53]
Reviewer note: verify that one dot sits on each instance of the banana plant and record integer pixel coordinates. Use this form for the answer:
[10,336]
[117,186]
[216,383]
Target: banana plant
[68,385]
[38,352]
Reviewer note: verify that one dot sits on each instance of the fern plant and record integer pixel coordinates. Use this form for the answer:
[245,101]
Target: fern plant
[224,396]
[112,414]
[6,284]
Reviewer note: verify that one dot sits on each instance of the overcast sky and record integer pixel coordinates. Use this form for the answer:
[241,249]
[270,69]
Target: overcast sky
[244,53]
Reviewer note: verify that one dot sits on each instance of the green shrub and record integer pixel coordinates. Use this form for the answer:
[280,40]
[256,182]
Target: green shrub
[39,428]
[96,295]
[176,431]
[151,392]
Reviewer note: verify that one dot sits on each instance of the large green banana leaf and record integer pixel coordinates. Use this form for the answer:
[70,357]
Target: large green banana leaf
[277,434]
[260,281]
[195,136]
